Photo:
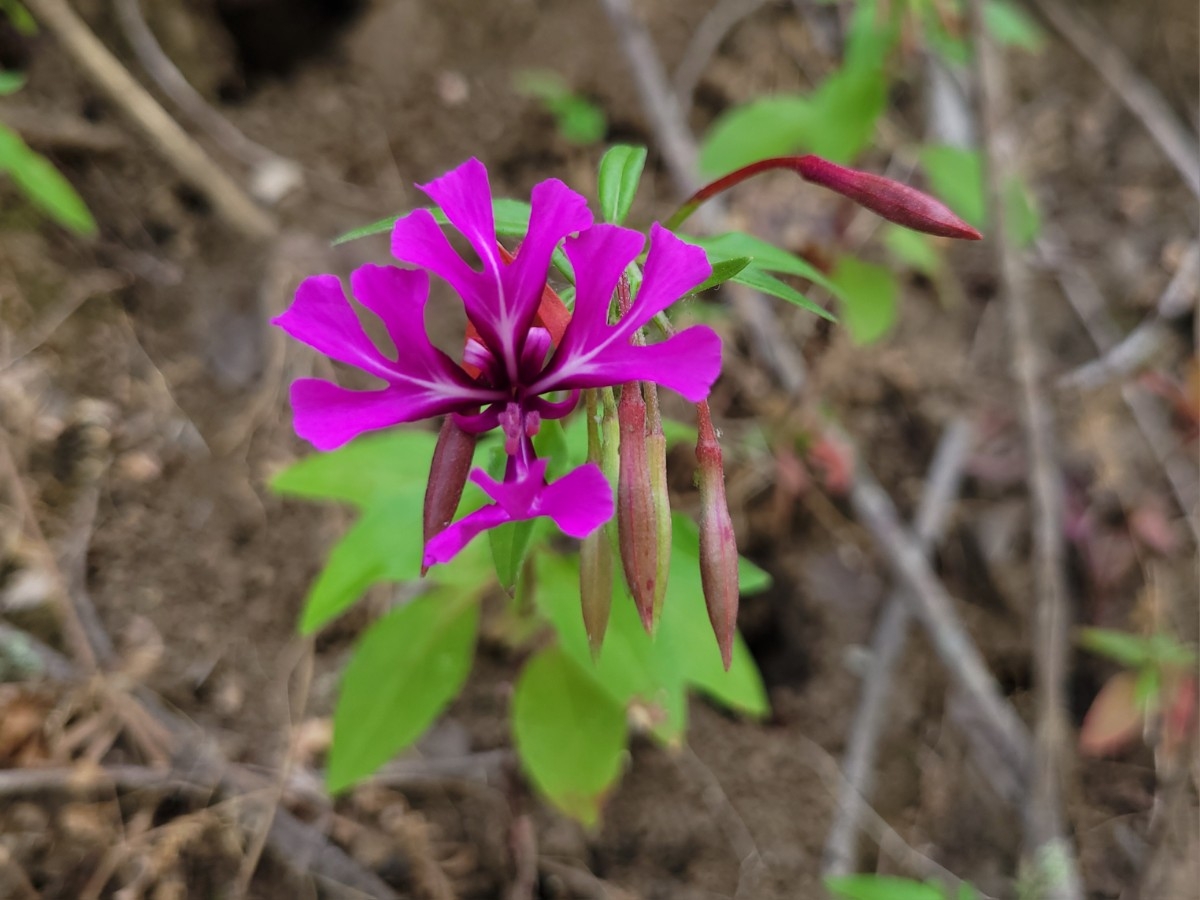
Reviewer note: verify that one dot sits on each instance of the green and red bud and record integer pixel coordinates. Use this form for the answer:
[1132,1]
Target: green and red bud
[718,546]
[885,197]
[656,457]
[595,554]
[637,535]
[447,477]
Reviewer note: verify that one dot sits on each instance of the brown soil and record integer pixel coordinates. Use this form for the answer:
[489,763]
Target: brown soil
[161,393]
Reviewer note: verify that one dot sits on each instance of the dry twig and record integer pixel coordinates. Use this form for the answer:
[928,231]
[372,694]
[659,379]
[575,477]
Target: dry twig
[887,647]
[1175,139]
[706,39]
[1044,827]
[171,142]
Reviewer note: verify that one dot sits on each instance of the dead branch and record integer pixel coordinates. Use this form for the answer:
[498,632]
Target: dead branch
[1087,300]
[887,648]
[171,142]
[1044,826]
[706,39]
[1144,101]
[274,175]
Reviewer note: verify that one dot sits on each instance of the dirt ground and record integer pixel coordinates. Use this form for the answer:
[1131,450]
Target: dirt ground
[142,400]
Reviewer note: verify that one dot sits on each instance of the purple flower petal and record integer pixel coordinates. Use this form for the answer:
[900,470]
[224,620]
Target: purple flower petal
[687,363]
[672,269]
[328,415]
[599,256]
[323,318]
[579,503]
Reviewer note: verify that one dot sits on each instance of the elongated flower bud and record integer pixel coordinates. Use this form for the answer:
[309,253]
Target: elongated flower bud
[656,458]
[890,199]
[595,554]
[636,533]
[447,477]
[718,546]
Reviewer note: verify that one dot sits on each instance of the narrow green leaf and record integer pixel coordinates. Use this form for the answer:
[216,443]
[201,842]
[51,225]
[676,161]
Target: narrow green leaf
[882,887]
[512,220]
[1130,650]
[763,255]
[20,17]
[1011,25]
[868,295]
[722,271]
[406,669]
[510,544]
[11,82]
[1022,220]
[754,277]
[43,184]
[569,734]
[618,177]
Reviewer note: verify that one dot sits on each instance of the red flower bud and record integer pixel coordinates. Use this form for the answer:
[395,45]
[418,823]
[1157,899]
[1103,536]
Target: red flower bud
[636,533]
[447,477]
[718,546]
[890,199]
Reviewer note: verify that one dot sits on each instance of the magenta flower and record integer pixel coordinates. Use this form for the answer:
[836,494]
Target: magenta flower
[521,378]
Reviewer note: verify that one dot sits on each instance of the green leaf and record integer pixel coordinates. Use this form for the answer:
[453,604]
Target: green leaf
[882,887]
[510,544]
[763,255]
[913,250]
[19,16]
[1009,24]
[365,470]
[868,295]
[11,82]
[956,177]
[512,220]
[405,670]
[1130,650]
[569,734]
[1022,220]
[770,126]
[722,271]
[43,184]
[754,277]
[578,119]
[619,174]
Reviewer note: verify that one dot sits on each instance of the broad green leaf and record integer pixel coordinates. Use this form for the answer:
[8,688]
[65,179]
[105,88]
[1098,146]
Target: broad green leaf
[722,271]
[846,107]
[405,670]
[370,467]
[769,126]
[43,184]
[383,545]
[569,734]
[868,295]
[1009,24]
[912,249]
[956,176]
[11,82]
[754,277]
[1130,650]
[882,887]
[618,177]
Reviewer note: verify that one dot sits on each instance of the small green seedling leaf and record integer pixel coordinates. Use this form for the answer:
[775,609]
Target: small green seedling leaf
[619,175]
[43,184]
[868,295]
[1009,24]
[569,734]
[882,887]
[20,17]
[406,668]
[1130,650]
[579,120]
[11,82]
